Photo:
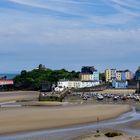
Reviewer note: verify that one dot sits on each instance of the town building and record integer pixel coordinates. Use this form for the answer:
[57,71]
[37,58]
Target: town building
[113,74]
[110,74]
[120,75]
[69,84]
[129,75]
[89,73]
[6,84]
[76,84]
[119,84]
[63,83]
[86,77]
[137,74]
[84,84]
[89,78]
[124,75]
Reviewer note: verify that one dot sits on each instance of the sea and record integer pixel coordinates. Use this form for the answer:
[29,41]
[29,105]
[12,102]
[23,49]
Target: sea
[8,75]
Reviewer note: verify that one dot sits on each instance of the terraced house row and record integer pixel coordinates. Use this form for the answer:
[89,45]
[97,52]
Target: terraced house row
[119,75]
[89,77]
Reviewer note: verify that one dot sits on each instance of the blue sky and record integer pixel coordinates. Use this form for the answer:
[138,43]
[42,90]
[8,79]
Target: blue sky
[69,34]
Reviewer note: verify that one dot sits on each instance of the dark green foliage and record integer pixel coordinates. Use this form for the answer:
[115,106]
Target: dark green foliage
[97,131]
[31,80]
[113,134]
[102,76]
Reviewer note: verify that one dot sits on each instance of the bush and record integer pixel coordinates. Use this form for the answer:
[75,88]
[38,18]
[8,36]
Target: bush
[112,134]
[97,131]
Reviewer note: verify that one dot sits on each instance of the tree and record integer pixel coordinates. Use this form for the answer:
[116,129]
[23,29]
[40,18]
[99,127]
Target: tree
[32,79]
[23,73]
[102,76]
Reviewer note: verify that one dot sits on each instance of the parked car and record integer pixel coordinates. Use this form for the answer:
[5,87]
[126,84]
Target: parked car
[100,97]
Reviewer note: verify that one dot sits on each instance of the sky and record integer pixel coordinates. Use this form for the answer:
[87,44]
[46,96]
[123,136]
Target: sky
[69,34]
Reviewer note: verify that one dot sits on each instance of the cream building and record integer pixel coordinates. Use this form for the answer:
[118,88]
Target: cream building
[113,74]
[77,84]
[86,77]
[74,84]
[89,84]
[69,84]
[119,75]
[108,75]
[128,75]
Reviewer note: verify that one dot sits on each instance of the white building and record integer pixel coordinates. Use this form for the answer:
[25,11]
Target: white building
[69,84]
[77,84]
[63,83]
[89,84]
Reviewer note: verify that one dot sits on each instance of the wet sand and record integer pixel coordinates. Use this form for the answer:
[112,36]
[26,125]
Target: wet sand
[118,91]
[25,119]
[37,118]
[101,136]
[136,125]
[18,95]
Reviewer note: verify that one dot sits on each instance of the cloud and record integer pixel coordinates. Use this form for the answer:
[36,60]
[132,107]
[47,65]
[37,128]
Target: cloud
[128,7]
[128,3]
[79,33]
[72,7]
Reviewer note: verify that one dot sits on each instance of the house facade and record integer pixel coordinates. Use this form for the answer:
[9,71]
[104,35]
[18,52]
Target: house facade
[76,84]
[113,74]
[129,75]
[110,74]
[89,78]
[119,84]
[89,73]
[89,83]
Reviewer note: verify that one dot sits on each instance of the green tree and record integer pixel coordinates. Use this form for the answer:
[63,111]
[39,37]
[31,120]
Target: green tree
[32,79]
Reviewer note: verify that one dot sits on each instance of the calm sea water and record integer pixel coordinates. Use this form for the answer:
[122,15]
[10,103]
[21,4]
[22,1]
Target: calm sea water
[9,76]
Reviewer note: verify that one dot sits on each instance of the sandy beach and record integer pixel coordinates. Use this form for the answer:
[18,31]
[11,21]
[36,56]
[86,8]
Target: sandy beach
[118,91]
[36,118]
[18,95]
[101,136]
[136,125]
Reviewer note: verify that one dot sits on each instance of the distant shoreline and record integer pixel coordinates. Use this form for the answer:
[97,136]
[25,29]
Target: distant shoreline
[9,75]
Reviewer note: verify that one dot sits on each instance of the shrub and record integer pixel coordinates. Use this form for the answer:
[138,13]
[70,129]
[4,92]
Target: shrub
[112,134]
[97,131]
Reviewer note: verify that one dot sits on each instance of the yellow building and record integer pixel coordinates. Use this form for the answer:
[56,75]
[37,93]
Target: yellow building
[108,75]
[119,75]
[86,77]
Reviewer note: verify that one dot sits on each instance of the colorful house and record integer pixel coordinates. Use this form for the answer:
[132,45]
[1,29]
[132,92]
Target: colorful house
[129,75]
[89,73]
[120,75]
[119,84]
[110,74]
